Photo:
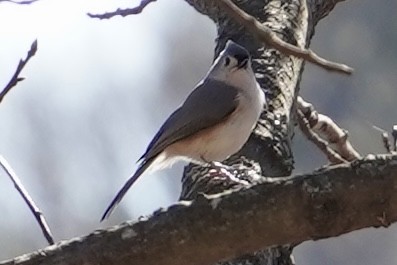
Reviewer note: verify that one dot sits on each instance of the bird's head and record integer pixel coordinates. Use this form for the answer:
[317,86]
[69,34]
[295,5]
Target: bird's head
[233,65]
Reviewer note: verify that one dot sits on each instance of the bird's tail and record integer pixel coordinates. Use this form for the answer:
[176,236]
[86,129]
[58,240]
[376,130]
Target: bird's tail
[142,167]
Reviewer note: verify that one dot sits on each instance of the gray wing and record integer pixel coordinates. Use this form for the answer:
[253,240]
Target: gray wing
[210,103]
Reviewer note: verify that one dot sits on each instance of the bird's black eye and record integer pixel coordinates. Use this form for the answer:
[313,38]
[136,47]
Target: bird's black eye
[227,61]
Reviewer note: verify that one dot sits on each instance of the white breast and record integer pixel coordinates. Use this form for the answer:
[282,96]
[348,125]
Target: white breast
[230,137]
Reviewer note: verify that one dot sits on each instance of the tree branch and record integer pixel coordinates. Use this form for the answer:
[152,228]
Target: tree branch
[29,201]
[326,203]
[304,126]
[15,78]
[262,32]
[391,148]
[324,127]
[123,12]
[394,135]
[267,36]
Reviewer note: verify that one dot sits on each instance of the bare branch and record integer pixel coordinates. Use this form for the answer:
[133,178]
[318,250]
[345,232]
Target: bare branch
[394,135]
[15,78]
[20,2]
[385,138]
[123,12]
[304,125]
[326,203]
[328,130]
[29,201]
[386,142]
[267,36]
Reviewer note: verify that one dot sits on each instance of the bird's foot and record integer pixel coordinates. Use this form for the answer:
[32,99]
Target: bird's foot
[226,171]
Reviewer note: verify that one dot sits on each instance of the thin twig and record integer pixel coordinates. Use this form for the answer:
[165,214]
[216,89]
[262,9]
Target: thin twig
[385,138]
[15,78]
[267,36]
[123,12]
[26,197]
[394,134]
[332,156]
[19,2]
[386,142]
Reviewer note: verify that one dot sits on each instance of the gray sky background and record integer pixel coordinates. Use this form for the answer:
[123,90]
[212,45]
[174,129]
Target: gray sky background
[97,91]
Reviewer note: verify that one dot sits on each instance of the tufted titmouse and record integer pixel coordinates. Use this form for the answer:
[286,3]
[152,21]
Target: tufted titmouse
[213,123]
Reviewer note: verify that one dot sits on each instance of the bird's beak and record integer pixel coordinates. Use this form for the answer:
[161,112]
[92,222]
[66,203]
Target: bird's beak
[243,63]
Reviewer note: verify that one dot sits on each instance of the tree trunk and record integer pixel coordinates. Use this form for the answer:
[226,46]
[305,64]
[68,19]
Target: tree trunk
[268,152]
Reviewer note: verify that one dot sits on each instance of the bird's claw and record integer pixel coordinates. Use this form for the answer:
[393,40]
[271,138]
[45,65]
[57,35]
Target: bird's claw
[219,169]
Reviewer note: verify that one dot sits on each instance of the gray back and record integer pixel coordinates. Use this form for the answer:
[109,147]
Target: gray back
[210,103]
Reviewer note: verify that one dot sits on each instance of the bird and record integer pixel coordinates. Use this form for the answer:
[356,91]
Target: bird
[213,123]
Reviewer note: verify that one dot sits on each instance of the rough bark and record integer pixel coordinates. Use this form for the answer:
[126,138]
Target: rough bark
[322,204]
